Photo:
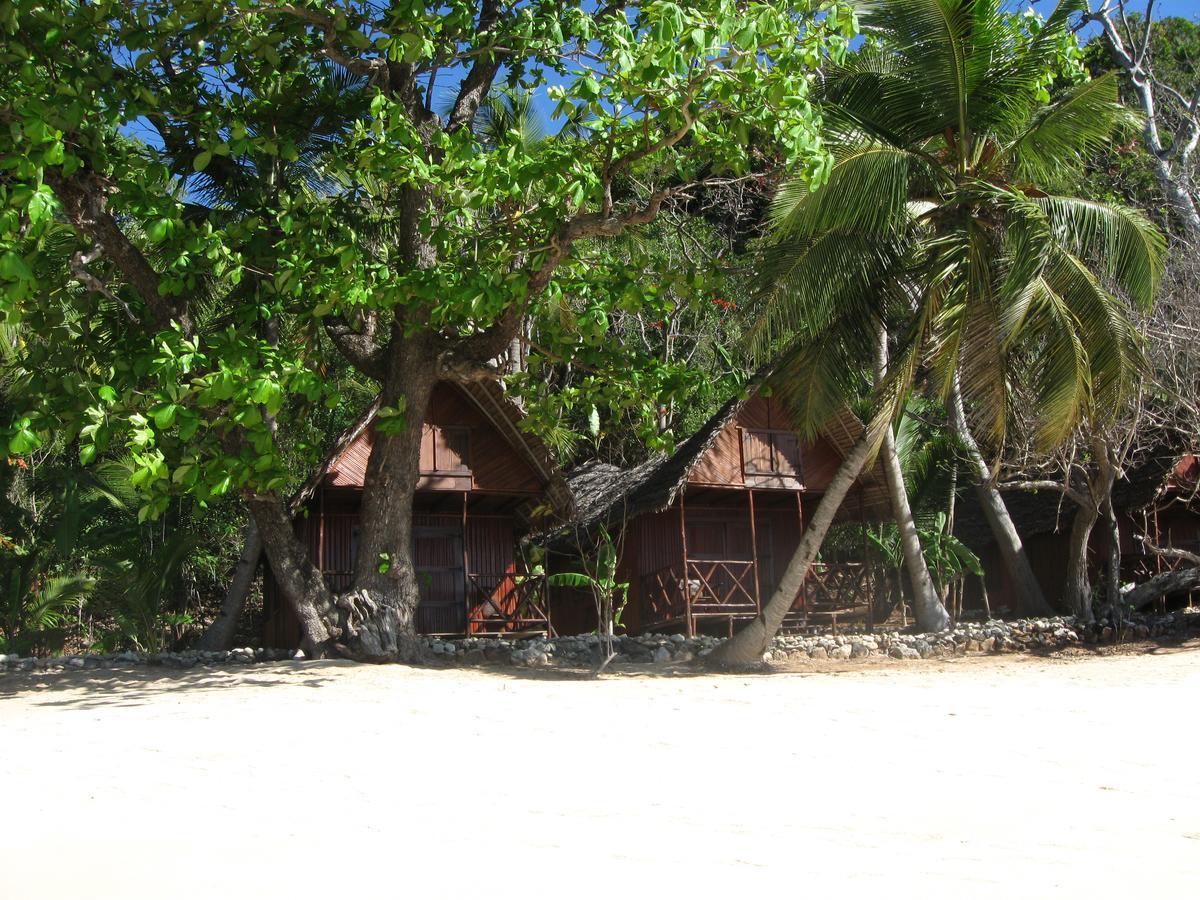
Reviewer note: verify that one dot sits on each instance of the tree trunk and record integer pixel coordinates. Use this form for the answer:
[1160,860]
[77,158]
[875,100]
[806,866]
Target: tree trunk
[375,619]
[219,635]
[1161,585]
[382,602]
[931,614]
[1029,597]
[1077,592]
[748,645]
[299,580]
[1179,197]
[1107,470]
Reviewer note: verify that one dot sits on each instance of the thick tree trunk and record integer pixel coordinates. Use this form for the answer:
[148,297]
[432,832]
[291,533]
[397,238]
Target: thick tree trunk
[219,635]
[748,645]
[1029,597]
[931,614]
[382,602]
[1077,591]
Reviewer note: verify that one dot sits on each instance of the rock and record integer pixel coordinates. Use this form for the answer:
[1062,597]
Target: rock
[841,651]
[818,653]
[662,655]
[859,650]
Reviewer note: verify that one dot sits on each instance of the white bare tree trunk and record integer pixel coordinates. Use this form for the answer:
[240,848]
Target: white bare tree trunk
[1130,40]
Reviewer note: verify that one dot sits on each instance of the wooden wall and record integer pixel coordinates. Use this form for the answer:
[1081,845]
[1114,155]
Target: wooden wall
[441,549]
[760,416]
[460,450]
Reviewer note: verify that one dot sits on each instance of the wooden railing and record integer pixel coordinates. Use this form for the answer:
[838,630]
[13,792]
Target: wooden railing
[663,596]
[833,592]
[722,587]
[712,588]
[506,602]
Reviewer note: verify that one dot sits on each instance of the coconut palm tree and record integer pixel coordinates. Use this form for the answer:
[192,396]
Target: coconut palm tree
[945,223]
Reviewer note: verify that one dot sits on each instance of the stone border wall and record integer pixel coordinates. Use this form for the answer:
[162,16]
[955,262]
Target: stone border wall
[994,636]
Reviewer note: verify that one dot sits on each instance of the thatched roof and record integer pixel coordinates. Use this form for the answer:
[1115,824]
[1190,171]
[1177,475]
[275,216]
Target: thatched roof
[505,415]
[605,494]
[1048,512]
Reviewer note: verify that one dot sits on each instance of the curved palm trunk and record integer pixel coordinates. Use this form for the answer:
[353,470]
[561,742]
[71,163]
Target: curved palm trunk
[931,614]
[1029,597]
[219,635]
[748,645]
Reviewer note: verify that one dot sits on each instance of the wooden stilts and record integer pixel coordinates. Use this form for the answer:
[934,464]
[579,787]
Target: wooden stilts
[754,560]
[803,584]
[466,577]
[321,533]
[689,622]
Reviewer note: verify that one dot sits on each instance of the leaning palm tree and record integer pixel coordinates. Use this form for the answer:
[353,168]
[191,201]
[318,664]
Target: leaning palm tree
[943,223]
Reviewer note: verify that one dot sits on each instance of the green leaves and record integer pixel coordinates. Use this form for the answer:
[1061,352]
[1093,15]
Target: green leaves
[13,267]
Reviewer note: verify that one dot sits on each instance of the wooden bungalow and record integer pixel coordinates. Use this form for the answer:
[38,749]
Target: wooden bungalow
[483,482]
[705,534]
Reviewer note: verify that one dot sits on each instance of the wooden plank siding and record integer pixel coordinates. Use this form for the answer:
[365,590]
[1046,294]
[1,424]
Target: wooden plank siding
[461,450]
[760,449]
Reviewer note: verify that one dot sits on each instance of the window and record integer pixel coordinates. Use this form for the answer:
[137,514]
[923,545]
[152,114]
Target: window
[770,454]
[445,449]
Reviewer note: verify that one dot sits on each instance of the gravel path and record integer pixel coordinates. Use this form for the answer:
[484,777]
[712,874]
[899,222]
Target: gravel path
[978,777]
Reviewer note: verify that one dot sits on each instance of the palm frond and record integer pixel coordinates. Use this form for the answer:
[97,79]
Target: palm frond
[1117,239]
[1069,132]
[867,191]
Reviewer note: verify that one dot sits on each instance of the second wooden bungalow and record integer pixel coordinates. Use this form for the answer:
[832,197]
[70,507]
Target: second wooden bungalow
[705,534]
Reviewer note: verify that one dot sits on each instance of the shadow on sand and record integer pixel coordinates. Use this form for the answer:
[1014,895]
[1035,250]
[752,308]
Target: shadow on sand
[92,688]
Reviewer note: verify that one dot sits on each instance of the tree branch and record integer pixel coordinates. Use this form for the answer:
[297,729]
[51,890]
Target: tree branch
[478,80]
[360,349]
[85,200]
[1169,552]
[374,69]
[1045,485]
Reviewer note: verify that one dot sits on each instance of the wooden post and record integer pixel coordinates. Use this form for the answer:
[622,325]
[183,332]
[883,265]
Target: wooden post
[804,583]
[321,532]
[689,625]
[466,569]
[868,580]
[754,557]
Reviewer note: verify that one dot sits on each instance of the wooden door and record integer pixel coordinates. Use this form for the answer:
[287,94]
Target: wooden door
[438,559]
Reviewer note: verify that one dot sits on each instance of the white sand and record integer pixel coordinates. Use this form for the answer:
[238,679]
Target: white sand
[975,778]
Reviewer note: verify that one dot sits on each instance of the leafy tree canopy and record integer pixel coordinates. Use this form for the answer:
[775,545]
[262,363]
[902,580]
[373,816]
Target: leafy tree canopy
[207,208]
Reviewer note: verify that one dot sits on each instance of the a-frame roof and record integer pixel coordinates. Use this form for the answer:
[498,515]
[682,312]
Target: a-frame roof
[500,410]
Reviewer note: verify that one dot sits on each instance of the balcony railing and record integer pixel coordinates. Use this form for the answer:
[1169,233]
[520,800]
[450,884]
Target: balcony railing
[506,602]
[833,593]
